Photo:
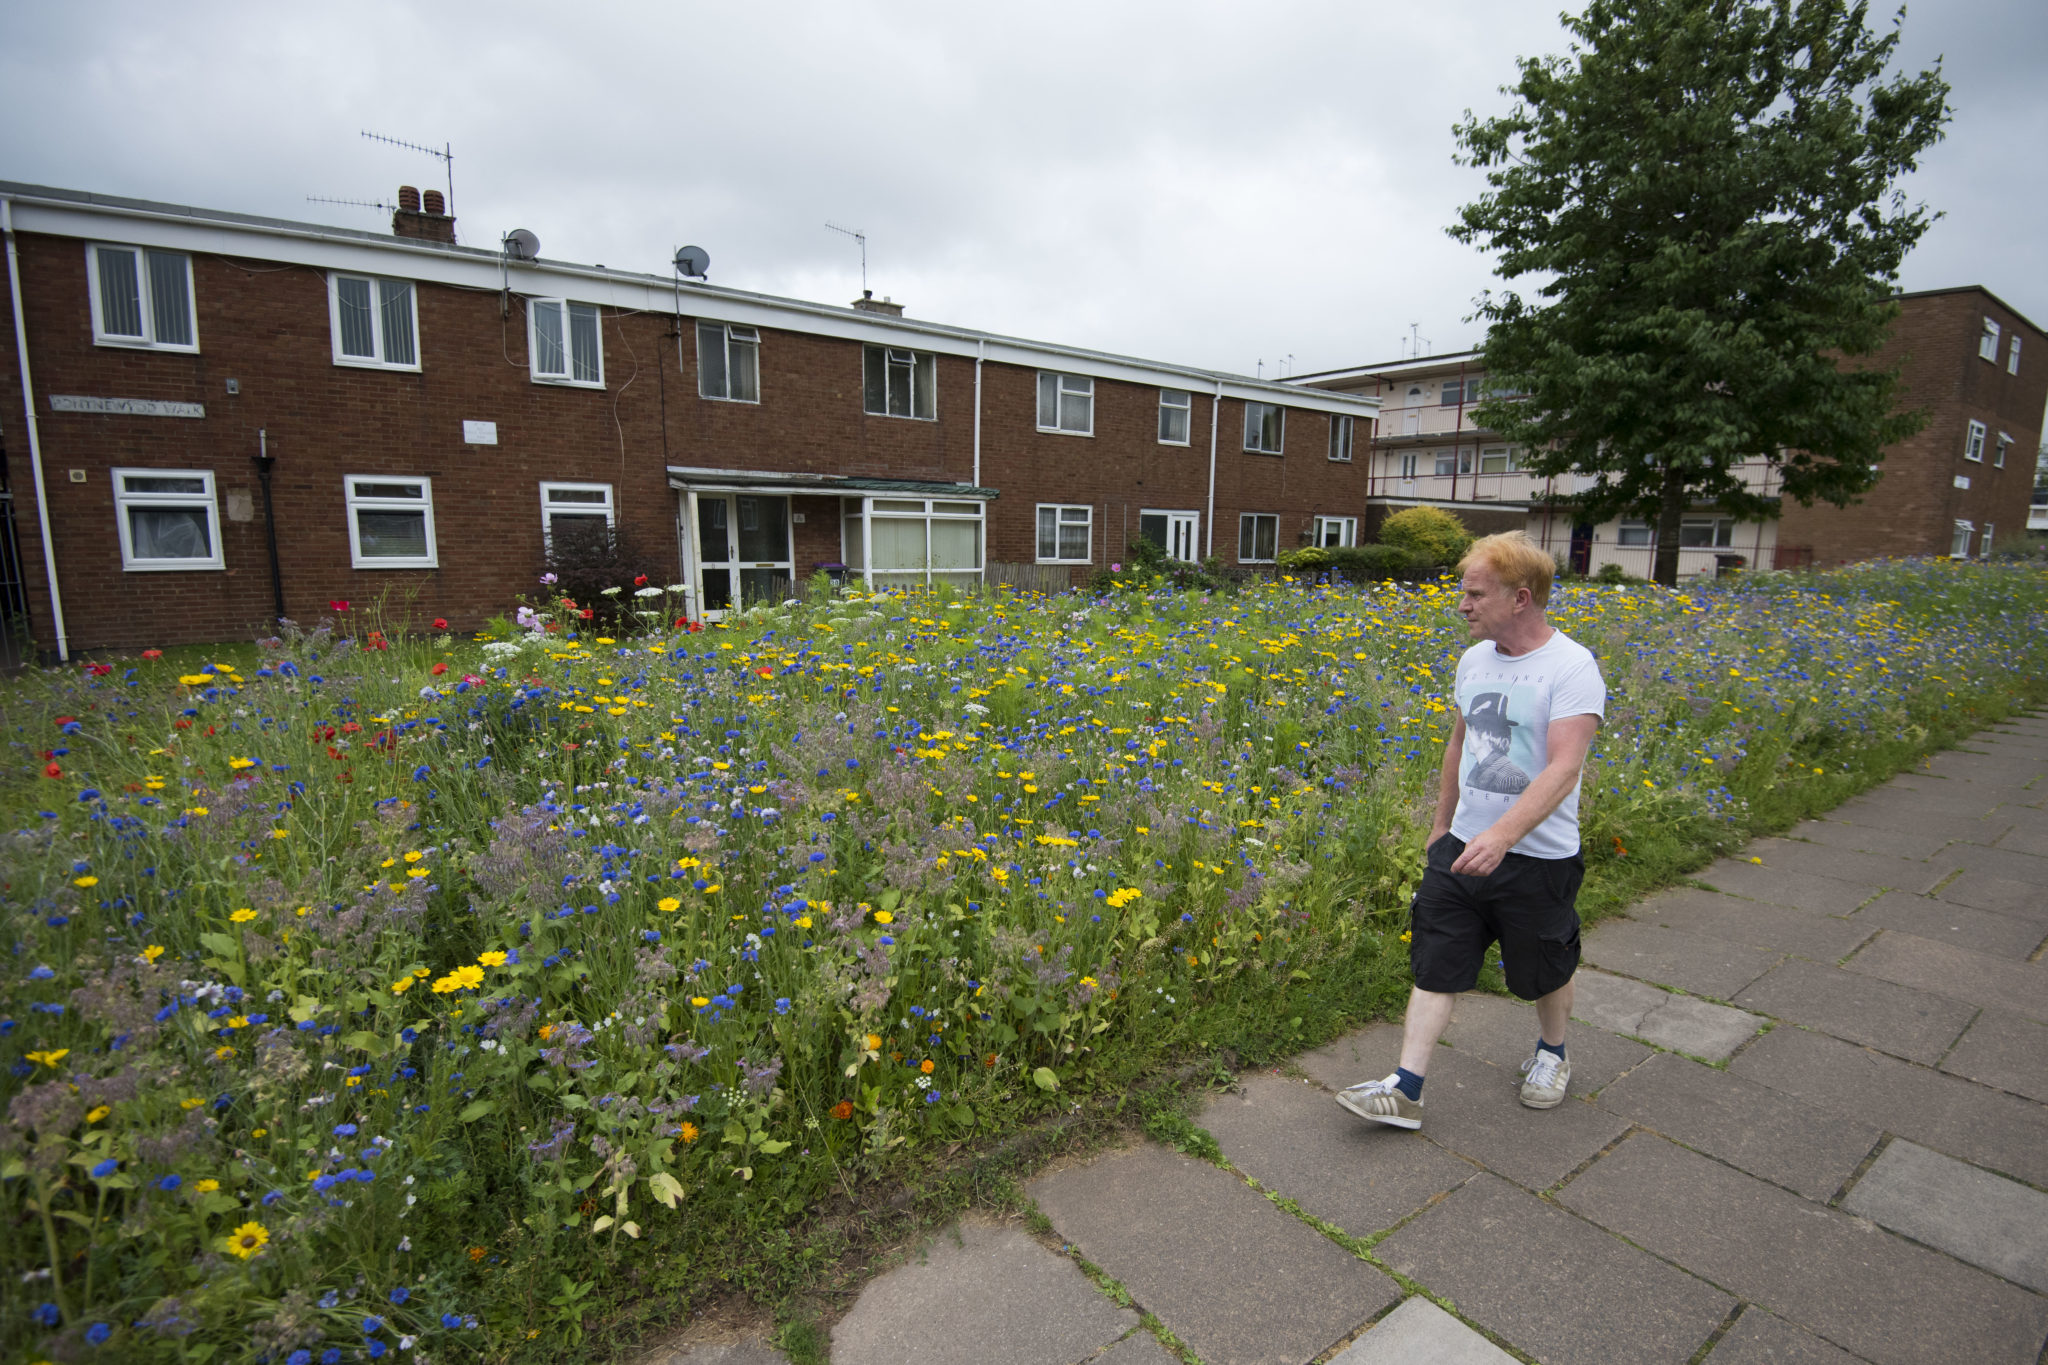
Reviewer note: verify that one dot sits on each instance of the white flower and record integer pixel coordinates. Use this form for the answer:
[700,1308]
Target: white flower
[678,587]
[648,592]
[610,592]
[405,1244]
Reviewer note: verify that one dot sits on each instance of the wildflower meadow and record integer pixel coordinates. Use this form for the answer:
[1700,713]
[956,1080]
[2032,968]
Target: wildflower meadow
[379,993]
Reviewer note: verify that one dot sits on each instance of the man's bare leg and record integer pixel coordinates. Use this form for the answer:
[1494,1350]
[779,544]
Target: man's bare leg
[1429,1014]
[1552,1012]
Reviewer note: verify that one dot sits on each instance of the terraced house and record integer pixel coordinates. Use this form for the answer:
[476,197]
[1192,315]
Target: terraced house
[212,420]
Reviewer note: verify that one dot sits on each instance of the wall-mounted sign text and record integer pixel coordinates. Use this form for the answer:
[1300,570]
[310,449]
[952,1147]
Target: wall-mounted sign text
[127,407]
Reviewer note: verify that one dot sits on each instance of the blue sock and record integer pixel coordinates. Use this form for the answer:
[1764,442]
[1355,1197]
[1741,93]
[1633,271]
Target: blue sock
[1557,1051]
[1408,1083]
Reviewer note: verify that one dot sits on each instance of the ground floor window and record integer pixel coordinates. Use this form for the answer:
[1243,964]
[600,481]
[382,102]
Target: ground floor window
[390,522]
[1984,541]
[1258,538]
[575,514]
[1065,533]
[1632,531]
[1705,533]
[1959,546]
[168,519]
[1335,532]
[914,542]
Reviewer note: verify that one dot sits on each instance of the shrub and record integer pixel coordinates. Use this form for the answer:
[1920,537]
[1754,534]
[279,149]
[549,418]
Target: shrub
[1433,536]
[1370,563]
[601,570]
[1309,559]
[1614,573]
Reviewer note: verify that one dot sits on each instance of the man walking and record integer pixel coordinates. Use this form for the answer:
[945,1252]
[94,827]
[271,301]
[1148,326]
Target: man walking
[1503,856]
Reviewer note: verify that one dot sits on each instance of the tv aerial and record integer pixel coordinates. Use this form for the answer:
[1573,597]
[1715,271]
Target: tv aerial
[693,262]
[444,154]
[861,238]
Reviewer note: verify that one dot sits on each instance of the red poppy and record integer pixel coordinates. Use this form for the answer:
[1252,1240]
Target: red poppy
[53,770]
[640,580]
[65,720]
[765,672]
[682,623]
[438,669]
[338,604]
[587,614]
[440,623]
[349,727]
[843,1109]
[152,654]
[99,670]
[181,724]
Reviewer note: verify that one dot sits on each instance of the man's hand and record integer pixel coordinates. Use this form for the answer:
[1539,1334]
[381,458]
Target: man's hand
[1481,856]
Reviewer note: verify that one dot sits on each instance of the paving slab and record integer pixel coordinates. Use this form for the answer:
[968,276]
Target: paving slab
[1850,865]
[2006,1052]
[1139,1348]
[1930,795]
[1758,1338]
[1878,1295]
[1553,1284]
[1696,1027]
[2007,897]
[976,1284]
[1295,1138]
[1420,1333]
[1362,1055]
[1503,1031]
[1950,970]
[1904,818]
[1699,963]
[1781,928]
[1979,1125]
[723,1353]
[2000,860]
[1750,1126]
[1984,931]
[1987,765]
[1964,786]
[1866,839]
[1475,1109]
[1973,1215]
[1827,895]
[2025,838]
[1896,1019]
[1239,1280]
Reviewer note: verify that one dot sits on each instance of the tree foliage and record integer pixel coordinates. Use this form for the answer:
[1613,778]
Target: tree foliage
[1430,535]
[1706,190]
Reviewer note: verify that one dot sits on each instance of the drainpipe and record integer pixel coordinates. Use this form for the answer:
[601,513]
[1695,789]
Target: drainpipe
[265,462]
[35,444]
[980,349]
[1215,417]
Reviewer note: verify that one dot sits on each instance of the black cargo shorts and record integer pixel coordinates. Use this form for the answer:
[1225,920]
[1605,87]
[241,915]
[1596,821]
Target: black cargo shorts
[1527,905]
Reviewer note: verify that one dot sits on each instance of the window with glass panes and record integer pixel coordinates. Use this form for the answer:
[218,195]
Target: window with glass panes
[1340,438]
[912,542]
[1176,408]
[141,297]
[390,521]
[1265,427]
[575,515]
[900,383]
[1258,537]
[167,519]
[729,362]
[565,342]
[1064,533]
[375,321]
[1066,402]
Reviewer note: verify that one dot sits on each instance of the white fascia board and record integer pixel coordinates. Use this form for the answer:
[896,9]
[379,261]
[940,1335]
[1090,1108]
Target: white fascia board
[434,263]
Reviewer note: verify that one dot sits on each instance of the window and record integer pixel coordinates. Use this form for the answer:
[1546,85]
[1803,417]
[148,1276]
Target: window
[1998,452]
[2012,356]
[1959,547]
[1984,542]
[916,542]
[729,362]
[141,298]
[1063,534]
[1066,402]
[374,322]
[1265,427]
[1258,538]
[1340,438]
[574,514]
[1175,407]
[1706,533]
[899,383]
[1632,531]
[1973,444]
[1335,532]
[1987,343]
[564,343]
[390,522]
[1497,460]
[167,519]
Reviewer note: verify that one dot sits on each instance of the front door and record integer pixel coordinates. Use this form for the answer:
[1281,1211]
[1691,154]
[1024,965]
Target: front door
[1582,548]
[1173,532]
[743,551]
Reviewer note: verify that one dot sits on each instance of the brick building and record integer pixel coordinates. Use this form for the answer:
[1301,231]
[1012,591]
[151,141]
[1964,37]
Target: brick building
[1944,491]
[434,416]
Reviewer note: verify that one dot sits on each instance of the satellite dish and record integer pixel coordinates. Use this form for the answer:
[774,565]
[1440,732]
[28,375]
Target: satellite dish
[521,245]
[693,261]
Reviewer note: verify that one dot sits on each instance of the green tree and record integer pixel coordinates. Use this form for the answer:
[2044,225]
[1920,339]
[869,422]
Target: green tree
[1706,191]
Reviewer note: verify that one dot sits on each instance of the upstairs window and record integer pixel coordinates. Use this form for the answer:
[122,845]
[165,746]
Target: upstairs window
[1497,460]
[390,522]
[1176,408]
[1998,450]
[1973,443]
[901,383]
[564,342]
[375,322]
[1066,402]
[1340,438]
[1265,427]
[167,519]
[2012,356]
[1987,342]
[141,297]
[729,362]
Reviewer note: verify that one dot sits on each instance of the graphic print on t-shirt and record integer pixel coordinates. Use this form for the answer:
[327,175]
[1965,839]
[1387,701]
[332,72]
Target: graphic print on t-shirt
[1493,732]
[1508,703]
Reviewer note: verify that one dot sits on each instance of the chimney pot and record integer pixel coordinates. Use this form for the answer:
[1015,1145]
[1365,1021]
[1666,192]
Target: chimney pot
[433,203]
[868,303]
[409,198]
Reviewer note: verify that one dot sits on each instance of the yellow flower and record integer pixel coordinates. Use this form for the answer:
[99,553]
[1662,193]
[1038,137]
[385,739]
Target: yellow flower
[51,1058]
[413,856]
[247,1240]
[206,1187]
[689,1133]
[685,864]
[223,1052]
[152,952]
[243,915]
[99,1113]
[402,985]
[712,889]
[240,763]
[492,958]
[192,1103]
[85,881]
[195,679]
[926,1066]
[238,1021]
[198,810]
[884,917]
[874,1041]
[668,905]
[259,1132]
[416,872]
[698,1002]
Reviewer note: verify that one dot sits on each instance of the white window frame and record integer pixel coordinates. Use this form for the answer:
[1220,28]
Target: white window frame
[731,334]
[1987,342]
[1249,521]
[1984,541]
[1345,528]
[376,361]
[1068,390]
[123,500]
[1255,428]
[1065,514]
[1184,408]
[146,339]
[1973,442]
[2012,359]
[565,309]
[1505,454]
[353,503]
[857,518]
[923,393]
[1998,450]
[1959,543]
[574,509]
[1721,532]
[1341,431]
[1634,532]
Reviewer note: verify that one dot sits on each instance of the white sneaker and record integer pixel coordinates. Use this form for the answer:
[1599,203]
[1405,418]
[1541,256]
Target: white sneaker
[1547,1076]
[1382,1102]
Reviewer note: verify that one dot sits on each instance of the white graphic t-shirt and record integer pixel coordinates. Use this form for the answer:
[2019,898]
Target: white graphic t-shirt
[1508,703]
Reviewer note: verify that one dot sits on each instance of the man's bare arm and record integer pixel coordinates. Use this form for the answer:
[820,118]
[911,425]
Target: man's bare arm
[1447,780]
[1569,740]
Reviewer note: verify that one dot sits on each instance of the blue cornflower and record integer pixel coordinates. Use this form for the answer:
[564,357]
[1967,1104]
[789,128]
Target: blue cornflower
[450,1320]
[40,973]
[46,1315]
[98,1333]
[331,1356]
[400,1294]
[782,1005]
[372,1325]
[419,774]
[105,1169]
[170,1182]
[299,1357]
[273,1197]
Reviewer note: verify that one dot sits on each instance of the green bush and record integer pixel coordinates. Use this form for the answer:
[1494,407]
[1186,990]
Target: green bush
[1309,559]
[1614,573]
[1433,536]
[1370,563]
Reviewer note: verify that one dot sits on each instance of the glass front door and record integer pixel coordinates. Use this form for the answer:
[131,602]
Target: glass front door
[743,551]
[1173,532]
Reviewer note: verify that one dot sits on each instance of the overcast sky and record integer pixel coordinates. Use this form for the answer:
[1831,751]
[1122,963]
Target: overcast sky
[1221,185]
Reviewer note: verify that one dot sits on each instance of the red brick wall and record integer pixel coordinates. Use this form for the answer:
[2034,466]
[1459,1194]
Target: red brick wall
[266,326]
[1914,508]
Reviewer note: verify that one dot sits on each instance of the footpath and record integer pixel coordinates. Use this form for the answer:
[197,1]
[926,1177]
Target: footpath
[1808,1125]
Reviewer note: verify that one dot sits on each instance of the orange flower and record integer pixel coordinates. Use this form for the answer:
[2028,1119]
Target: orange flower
[925,1066]
[989,1061]
[689,1133]
[476,1253]
[843,1109]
